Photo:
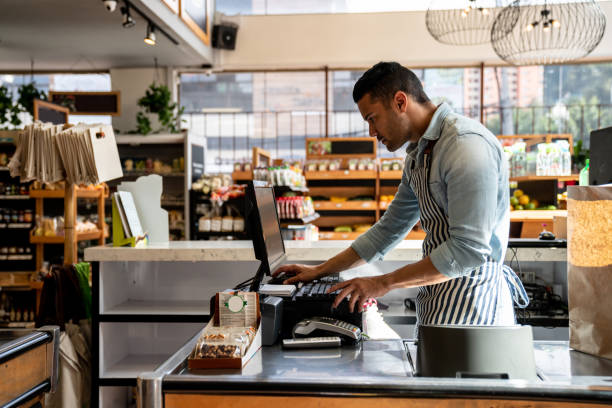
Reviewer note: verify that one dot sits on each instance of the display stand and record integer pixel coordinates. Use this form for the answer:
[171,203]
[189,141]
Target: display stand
[71,238]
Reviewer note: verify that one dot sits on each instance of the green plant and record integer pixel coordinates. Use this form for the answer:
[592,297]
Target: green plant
[580,155]
[9,111]
[27,94]
[157,100]
[143,126]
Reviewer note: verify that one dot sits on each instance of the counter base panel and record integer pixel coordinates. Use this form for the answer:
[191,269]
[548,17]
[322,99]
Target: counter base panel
[233,401]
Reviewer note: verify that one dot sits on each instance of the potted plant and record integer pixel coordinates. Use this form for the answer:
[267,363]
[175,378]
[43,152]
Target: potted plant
[157,101]
[9,111]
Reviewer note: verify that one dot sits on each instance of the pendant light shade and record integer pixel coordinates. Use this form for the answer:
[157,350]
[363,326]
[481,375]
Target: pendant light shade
[532,32]
[468,25]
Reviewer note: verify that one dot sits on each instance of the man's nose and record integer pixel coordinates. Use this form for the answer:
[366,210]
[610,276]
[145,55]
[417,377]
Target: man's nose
[373,132]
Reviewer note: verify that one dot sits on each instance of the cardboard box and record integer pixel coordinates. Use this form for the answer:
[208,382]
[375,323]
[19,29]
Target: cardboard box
[194,363]
[560,226]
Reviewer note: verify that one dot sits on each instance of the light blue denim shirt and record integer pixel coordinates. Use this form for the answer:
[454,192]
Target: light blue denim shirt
[468,180]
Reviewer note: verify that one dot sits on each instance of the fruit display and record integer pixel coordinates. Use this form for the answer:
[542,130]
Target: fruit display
[521,201]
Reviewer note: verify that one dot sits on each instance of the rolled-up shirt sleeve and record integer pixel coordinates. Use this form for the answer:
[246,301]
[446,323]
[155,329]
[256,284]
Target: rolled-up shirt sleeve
[401,215]
[470,170]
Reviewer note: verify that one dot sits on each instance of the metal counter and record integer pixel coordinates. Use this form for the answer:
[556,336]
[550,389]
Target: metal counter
[379,368]
[29,378]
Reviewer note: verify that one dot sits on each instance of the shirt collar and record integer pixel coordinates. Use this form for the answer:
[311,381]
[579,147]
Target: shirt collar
[433,131]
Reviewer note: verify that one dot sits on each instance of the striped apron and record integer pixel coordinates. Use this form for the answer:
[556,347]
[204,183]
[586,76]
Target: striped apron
[484,297]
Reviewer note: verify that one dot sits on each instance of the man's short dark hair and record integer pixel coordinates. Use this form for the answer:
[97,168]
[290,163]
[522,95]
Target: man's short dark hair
[384,79]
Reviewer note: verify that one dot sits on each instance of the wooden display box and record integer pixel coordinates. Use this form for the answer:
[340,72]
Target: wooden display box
[194,363]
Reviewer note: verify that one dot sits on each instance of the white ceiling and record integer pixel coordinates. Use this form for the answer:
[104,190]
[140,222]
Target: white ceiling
[82,35]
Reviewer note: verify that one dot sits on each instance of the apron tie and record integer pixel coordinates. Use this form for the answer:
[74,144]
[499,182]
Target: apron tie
[519,294]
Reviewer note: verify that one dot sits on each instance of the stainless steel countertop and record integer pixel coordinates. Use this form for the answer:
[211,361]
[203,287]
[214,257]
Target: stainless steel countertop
[382,368]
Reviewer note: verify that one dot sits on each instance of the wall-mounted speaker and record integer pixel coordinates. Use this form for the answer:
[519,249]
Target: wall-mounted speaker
[224,36]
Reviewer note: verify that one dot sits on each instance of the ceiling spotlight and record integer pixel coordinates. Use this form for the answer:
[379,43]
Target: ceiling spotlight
[128,21]
[110,5]
[555,23]
[150,38]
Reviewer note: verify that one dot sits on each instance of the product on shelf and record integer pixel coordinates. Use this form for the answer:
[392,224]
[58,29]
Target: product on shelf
[281,175]
[153,165]
[16,307]
[294,207]
[392,165]
[243,166]
[211,182]
[10,189]
[308,232]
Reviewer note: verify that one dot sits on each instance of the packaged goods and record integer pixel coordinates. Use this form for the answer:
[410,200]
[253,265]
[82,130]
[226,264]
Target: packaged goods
[589,255]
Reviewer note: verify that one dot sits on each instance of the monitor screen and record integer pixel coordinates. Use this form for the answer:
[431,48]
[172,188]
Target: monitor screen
[270,228]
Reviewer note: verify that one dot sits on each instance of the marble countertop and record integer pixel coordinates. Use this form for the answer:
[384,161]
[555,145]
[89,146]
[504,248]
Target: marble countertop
[297,251]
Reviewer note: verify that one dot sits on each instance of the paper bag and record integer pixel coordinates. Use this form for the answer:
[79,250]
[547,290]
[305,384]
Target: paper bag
[589,256]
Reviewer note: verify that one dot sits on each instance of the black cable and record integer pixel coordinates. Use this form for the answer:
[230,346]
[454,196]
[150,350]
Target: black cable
[245,283]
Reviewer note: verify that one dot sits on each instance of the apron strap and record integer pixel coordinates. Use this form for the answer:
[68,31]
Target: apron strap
[517,290]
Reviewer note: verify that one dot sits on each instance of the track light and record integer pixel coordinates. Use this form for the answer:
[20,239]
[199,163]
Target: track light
[128,21]
[150,38]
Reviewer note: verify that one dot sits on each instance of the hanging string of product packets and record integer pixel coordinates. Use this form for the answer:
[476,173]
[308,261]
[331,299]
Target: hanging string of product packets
[81,154]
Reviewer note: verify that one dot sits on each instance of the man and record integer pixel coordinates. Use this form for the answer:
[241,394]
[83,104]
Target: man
[455,181]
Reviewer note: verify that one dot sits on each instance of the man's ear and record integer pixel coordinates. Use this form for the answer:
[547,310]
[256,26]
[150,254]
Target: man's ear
[400,101]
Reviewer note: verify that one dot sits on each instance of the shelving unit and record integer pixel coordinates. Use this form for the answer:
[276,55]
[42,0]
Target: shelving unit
[19,291]
[197,198]
[71,237]
[176,184]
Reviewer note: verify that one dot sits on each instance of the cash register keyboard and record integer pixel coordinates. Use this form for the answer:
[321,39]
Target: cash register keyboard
[318,288]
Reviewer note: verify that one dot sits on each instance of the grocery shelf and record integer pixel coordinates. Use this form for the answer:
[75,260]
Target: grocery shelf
[573,177]
[16,225]
[242,175]
[167,138]
[4,168]
[290,188]
[149,173]
[80,193]
[355,205]
[59,239]
[304,220]
[341,175]
[390,175]
[14,197]
[15,279]
[383,205]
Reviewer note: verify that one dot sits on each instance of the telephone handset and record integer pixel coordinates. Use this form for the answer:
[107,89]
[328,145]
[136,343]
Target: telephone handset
[327,326]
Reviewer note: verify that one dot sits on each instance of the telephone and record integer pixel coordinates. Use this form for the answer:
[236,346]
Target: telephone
[327,326]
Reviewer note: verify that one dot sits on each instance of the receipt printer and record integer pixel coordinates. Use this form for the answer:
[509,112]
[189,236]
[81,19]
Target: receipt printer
[271,319]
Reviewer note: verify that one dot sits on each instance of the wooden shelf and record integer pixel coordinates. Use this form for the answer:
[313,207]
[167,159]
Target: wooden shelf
[341,175]
[383,205]
[242,175]
[15,279]
[345,206]
[59,239]
[14,197]
[80,192]
[147,173]
[573,177]
[161,138]
[390,175]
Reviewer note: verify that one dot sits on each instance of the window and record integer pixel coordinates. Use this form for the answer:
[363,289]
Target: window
[60,82]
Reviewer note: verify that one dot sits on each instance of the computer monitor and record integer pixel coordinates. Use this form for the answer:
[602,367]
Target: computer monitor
[600,166]
[264,228]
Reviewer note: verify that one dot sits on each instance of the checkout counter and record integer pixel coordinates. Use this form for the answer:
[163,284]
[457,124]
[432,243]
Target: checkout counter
[148,302]
[28,365]
[381,369]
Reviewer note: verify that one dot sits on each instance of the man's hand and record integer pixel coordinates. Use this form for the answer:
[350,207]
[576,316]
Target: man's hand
[360,289]
[298,273]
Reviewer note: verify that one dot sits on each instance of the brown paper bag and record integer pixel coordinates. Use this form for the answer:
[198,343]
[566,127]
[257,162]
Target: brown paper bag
[589,256]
